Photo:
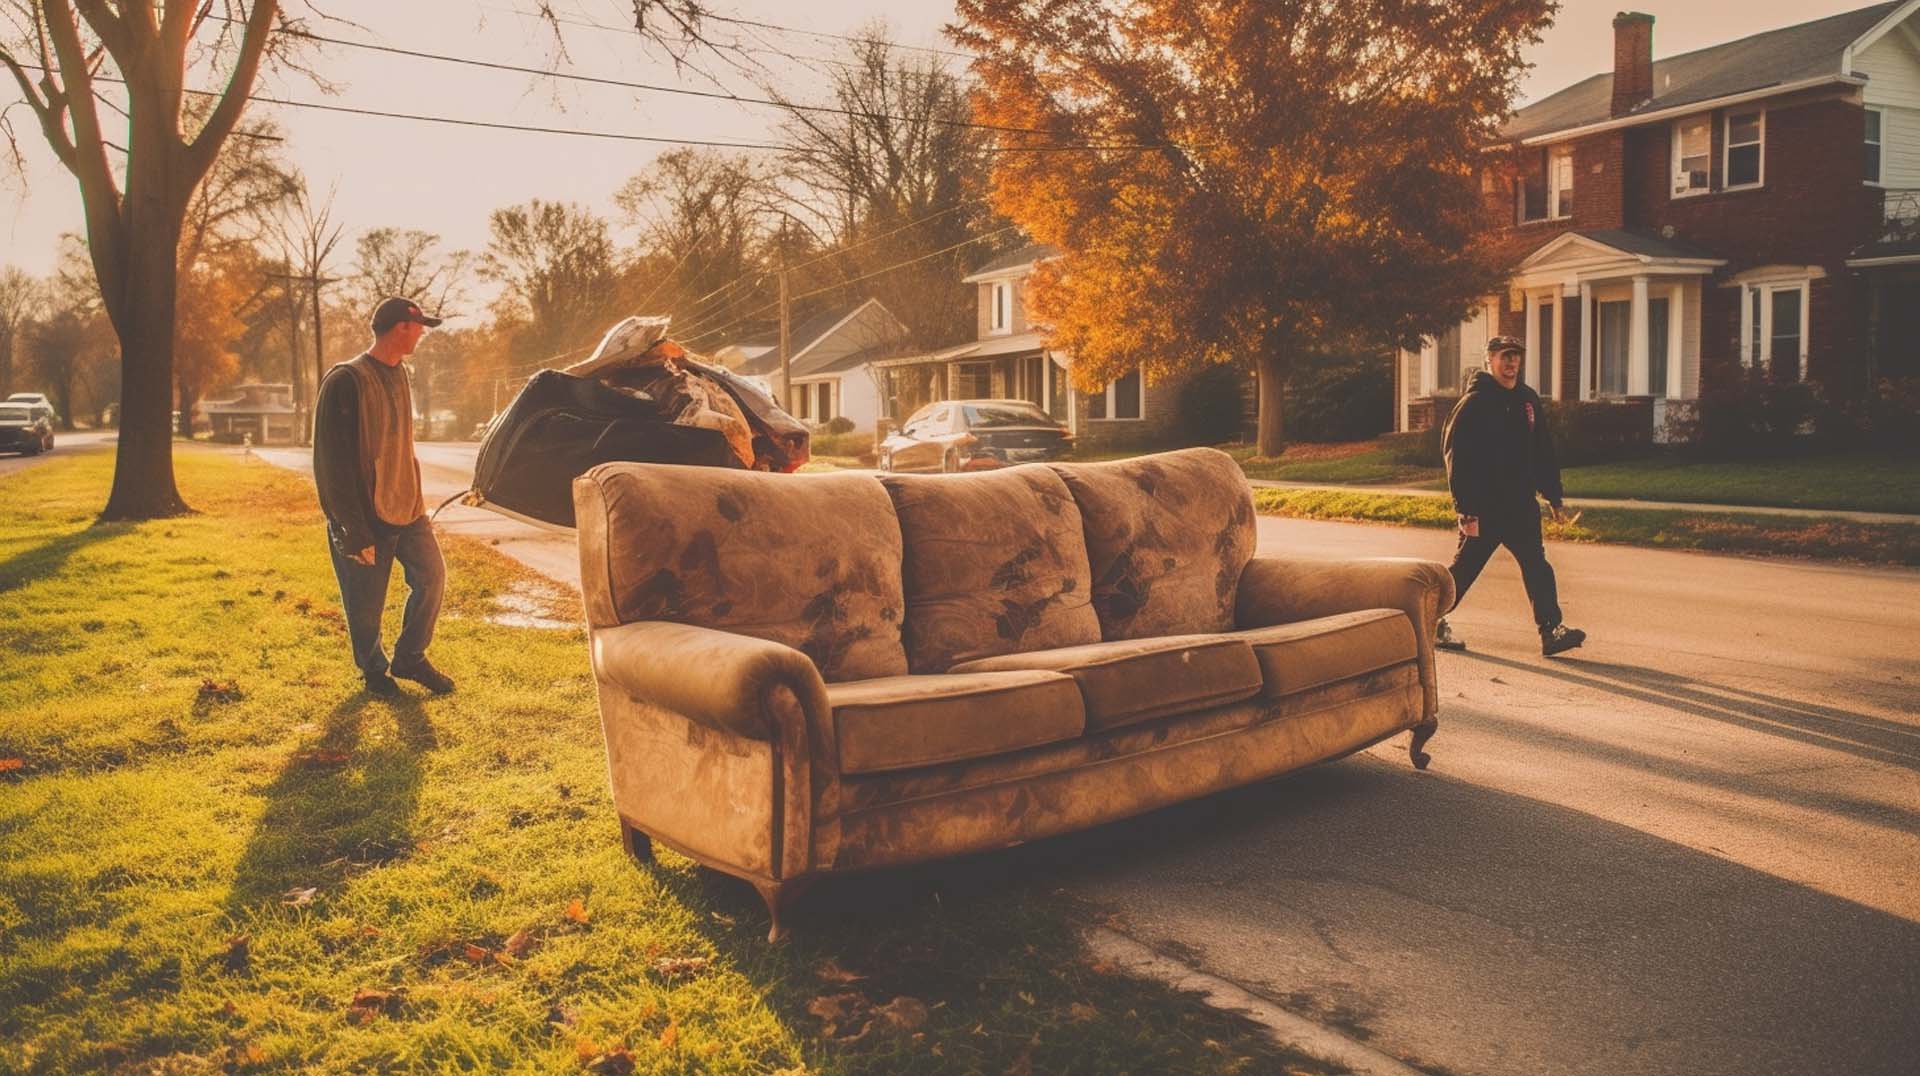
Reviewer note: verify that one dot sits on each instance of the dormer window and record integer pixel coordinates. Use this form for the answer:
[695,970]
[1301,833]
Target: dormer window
[1692,156]
[1746,138]
[1002,320]
[1873,119]
[1545,191]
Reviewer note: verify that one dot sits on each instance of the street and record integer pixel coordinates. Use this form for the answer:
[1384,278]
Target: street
[1692,846]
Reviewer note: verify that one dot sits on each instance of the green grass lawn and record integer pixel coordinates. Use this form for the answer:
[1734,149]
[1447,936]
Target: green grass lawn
[1721,532]
[1860,482]
[216,854]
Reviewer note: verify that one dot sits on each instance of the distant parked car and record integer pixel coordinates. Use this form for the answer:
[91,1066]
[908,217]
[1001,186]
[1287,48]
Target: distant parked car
[973,435]
[26,428]
[35,398]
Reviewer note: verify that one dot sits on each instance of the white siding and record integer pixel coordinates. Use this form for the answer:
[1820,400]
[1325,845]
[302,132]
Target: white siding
[1893,71]
[860,398]
[1900,147]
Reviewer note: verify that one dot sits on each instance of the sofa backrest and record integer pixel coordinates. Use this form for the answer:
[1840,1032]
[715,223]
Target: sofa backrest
[995,563]
[1167,538]
[811,560]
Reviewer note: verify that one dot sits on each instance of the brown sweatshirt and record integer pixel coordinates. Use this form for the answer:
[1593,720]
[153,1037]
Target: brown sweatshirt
[363,457]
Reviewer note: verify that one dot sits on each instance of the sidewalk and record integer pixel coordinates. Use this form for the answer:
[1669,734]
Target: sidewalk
[1592,502]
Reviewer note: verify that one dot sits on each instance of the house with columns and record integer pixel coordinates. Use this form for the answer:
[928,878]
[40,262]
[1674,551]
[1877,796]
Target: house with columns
[1751,203]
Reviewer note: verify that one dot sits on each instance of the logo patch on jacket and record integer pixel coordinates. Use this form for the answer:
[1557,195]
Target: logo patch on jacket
[1529,406]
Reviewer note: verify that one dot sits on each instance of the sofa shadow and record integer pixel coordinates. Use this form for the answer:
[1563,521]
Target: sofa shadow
[47,558]
[1861,735]
[339,807]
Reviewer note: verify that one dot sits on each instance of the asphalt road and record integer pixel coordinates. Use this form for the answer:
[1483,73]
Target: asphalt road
[1692,847]
[63,441]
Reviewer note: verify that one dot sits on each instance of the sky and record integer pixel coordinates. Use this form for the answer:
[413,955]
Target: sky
[445,179]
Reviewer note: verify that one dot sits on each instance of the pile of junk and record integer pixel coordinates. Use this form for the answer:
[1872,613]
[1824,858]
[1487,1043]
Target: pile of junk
[640,397]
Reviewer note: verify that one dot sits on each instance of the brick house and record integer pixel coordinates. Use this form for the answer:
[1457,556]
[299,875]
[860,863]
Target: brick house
[1009,359]
[1748,203]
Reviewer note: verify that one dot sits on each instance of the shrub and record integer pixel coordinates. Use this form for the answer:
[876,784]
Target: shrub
[1212,408]
[839,424]
[847,443]
[1340,398]
[1598,431]
[1891,416]
[1745,412]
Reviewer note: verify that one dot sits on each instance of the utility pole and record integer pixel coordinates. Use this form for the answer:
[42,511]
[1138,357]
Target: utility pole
[786,350]
[293,349]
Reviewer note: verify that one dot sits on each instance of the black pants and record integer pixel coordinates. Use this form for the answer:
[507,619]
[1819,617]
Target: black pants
[1519,530]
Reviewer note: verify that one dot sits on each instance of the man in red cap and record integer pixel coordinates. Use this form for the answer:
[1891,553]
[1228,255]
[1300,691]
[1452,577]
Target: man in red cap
[1499,455]
[369,482]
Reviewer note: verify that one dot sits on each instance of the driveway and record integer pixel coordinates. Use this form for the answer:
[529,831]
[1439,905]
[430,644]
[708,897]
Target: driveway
[1691,847]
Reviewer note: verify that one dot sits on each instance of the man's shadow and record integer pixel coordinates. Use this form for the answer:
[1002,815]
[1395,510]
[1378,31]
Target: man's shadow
[46,559]
[338,806]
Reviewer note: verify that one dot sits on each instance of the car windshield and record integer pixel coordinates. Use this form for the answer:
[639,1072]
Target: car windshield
[13,414]
[987,416]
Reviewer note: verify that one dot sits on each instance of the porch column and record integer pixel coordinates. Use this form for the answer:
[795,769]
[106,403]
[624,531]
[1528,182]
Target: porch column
[1638,358]
[1586,342]
[1429,365]
[1533,343]
[1676,339]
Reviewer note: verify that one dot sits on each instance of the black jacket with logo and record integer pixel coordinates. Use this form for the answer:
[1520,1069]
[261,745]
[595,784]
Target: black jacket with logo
[1499,450]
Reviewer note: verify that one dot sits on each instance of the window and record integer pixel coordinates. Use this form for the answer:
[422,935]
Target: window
[1541,353]
[1616,321]
[974,381]
[1560,182]
[1545,191]
[1447,361]
[1774,327]
[1872,137]
[805,402]
[1692,156]
[1123,399]
[823,412]
[1657,322]
[1002,307]
[1746,135]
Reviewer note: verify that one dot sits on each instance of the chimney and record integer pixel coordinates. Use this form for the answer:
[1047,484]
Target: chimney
[1632,61]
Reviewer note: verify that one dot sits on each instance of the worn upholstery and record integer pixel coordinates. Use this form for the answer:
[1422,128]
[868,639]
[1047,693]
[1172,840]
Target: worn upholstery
[1132,680]
[1302,655]
[899,722]
[995,563]
[1167,538]
[764,555]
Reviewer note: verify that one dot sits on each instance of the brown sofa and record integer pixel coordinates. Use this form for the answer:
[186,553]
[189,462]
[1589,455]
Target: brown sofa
[803,674]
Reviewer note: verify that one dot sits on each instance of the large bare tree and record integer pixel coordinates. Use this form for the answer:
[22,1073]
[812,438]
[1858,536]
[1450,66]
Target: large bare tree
[22,298]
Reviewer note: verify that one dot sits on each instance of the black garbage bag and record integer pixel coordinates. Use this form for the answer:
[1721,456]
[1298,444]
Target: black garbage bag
[559,427]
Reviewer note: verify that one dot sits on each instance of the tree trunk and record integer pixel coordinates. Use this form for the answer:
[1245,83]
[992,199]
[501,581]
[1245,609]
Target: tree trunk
[1273,394]
[143,485]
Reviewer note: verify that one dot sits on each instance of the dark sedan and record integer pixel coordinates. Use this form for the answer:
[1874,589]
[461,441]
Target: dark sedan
[26,428]
[973,435]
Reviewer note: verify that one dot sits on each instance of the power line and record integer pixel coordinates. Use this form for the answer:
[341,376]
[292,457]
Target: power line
[835,37]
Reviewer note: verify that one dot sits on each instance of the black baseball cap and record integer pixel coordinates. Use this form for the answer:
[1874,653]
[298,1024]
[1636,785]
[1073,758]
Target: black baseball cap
[1505,343]
[396,310]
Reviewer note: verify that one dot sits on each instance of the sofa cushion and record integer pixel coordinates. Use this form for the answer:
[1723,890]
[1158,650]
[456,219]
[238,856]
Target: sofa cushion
[1131,680]
[1167,538]
[765,555]
[898,722]
[994,563]
[1297,657]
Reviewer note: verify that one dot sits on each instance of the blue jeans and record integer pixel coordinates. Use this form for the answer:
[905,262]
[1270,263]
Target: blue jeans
[363,592]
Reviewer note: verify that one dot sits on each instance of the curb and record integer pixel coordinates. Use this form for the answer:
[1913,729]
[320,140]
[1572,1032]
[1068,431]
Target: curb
[1290,1030]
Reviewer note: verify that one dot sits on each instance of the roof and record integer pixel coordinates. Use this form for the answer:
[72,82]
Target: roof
[851,361]
[800,336]
[1652,246]
[1013,260]
[1792,54]
[993,346]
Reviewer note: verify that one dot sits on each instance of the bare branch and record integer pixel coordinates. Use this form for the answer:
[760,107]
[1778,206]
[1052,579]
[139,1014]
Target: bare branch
[226,115]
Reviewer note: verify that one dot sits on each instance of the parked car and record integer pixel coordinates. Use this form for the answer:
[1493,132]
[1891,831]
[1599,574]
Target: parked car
[39,398]
[973,435]
[26,428]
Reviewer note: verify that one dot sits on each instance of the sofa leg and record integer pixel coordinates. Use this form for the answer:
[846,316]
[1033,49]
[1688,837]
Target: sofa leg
[779,896]
[1421,734]
[636,842]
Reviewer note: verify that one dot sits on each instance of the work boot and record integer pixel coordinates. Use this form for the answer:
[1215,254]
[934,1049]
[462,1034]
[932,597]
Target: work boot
[422,672]
[1445,639]
[379,683]
[1559,639]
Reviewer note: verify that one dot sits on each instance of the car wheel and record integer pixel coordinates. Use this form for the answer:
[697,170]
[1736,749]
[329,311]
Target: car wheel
[950,463]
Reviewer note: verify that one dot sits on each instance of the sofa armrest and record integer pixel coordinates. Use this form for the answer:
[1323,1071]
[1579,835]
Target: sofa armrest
[716,678]
[1284,590]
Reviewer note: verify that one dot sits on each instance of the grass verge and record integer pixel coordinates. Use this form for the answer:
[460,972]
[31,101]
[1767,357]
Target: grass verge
[1718,532]
[215,854]
[1856,482]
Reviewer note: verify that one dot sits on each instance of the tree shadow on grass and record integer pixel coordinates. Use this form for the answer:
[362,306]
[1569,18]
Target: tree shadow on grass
[46,559]
[342,805]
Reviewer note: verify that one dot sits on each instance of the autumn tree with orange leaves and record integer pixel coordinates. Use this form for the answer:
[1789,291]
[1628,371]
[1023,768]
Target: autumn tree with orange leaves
[1245,181]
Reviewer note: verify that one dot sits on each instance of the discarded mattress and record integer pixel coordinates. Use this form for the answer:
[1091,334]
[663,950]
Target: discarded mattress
[640,397]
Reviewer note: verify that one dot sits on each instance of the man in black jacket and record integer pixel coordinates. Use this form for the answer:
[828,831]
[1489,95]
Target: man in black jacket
[1499,454]
[369,482]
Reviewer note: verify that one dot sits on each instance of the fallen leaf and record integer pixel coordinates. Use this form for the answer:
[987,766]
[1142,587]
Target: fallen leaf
[1080,1012]
[1026,997]
[674,967]
[518,943]
[299,898]
[476,954]
[367,1004]
[903,1012]
[321,759]
[577,910]
[670,1037]
[615,1062]
[830,971]
[1101,967]
[10,764]
[237,954]
[369,932]
[561,1016]
[836,1008]
[1497,680]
